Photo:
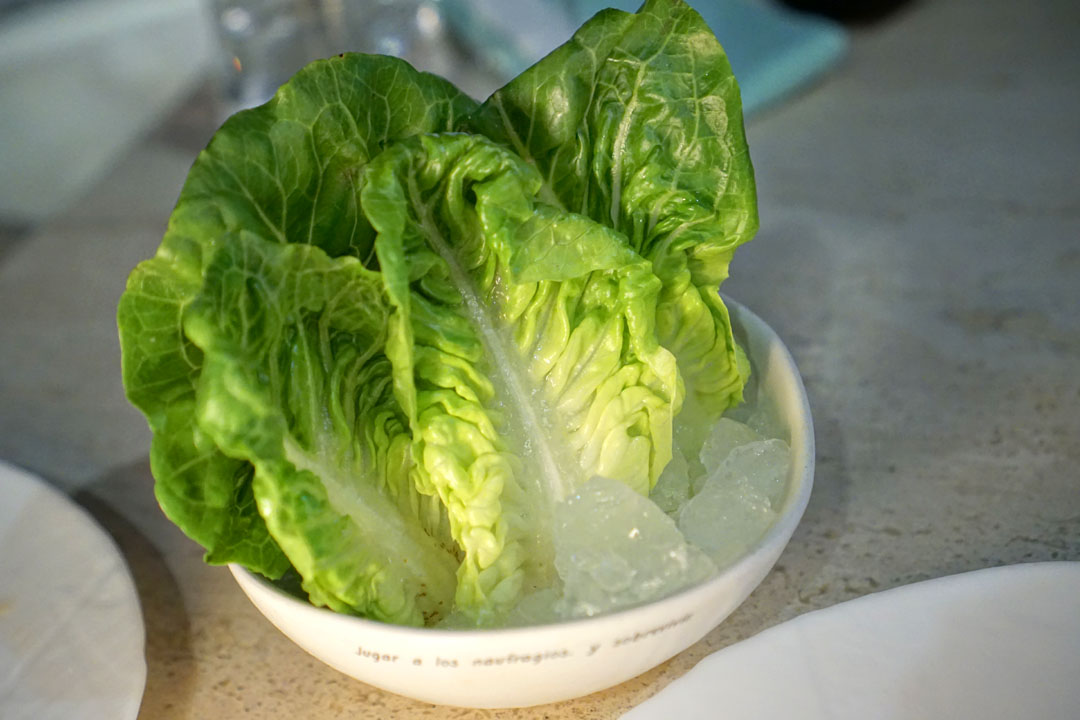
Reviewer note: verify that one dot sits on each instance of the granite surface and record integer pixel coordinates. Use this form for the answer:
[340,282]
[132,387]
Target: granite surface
[919,252]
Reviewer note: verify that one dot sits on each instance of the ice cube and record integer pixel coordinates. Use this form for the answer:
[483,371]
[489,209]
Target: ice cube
[536,608]
[761,466]
[726,435]
[615,548]
[758,413]
[725,519]
[739,500]
[673,487]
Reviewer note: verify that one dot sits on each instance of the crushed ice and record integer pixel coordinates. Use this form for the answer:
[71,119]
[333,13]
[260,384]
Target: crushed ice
[615,549]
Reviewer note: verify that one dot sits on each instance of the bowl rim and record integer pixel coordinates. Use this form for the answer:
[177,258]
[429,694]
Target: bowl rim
[802,444]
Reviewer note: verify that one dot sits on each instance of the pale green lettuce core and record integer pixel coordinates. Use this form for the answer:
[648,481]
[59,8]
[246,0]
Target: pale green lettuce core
[388,329]
[521,379]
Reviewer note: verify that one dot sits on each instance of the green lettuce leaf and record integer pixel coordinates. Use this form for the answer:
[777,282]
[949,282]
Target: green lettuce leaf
[636,122]
[388,328]
[288,171]
[524,352]
[295,381]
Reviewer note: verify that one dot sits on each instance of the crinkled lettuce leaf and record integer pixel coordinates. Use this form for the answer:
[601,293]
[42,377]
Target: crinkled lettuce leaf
[636,122]
[524,351]
[289,172]
[295,381]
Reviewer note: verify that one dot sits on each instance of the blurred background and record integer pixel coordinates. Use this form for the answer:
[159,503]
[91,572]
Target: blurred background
[81,80]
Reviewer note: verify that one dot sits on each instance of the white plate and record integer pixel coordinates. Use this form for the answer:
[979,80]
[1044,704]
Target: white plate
[71,632]
[1002,643]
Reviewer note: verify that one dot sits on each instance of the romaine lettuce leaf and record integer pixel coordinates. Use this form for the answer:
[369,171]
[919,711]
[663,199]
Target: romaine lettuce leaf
[636,122]
[388,329]
[288,171]
[524,351]
[295,381]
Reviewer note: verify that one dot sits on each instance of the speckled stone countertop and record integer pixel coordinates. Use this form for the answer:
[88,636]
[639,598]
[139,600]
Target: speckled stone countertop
[919,252]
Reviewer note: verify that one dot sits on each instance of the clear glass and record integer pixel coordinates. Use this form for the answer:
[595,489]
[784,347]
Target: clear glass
[262,43]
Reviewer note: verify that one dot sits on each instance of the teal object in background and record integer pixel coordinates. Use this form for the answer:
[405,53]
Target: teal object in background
[772,50]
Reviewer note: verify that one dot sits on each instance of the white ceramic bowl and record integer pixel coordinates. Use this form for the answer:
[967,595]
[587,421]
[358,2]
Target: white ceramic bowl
[528,666]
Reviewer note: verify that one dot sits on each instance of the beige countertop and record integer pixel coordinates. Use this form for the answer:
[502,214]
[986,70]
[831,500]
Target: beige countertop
[919,252]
